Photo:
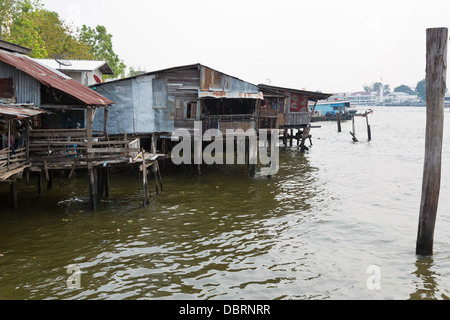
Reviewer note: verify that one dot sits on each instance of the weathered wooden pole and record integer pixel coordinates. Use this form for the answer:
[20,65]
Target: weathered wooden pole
[91,173]
[369,130]
[354,130]
[338,118]
[92,187]
[436,85]
[146,200]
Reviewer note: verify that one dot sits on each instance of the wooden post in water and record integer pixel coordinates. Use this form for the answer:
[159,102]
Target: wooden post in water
[339,120]
[369,131]
[155,164]
[106,181]
[437,39]
[92,187]
[91,173]
[354,130]
[146,200]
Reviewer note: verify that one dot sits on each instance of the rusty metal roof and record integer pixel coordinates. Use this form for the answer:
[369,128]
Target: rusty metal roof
[54,79]
[20,111]
[312,96]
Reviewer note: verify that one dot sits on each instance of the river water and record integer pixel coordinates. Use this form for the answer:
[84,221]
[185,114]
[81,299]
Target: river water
[316,230]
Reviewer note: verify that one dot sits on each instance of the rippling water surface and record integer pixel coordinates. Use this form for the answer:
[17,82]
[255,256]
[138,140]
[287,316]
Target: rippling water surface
[310,232]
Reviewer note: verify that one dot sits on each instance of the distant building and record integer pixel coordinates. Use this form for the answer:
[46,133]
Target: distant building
[361,98]
[402,98]
[86,72]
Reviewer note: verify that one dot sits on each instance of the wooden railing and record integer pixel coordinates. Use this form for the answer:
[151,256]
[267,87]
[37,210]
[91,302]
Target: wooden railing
[268,122]
[11,162]
[67,145]
[298,119]
[234,122]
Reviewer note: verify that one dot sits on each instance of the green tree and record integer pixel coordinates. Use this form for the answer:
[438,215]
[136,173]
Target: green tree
[59,39]
[376,87]
[404,88]
[21,29]
[5,14]
[100,42]
[28,24]
[421,89]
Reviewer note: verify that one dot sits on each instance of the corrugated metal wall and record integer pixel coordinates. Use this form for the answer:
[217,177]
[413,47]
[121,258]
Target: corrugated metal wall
[141,106]
[27,89]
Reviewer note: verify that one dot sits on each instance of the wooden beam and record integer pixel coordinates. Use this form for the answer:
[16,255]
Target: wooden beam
[437,40]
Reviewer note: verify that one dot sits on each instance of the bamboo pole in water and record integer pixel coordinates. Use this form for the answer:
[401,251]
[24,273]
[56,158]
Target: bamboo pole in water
[436,84]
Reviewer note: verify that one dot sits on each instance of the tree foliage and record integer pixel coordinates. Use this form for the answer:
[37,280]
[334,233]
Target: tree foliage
[29,24]
[376,87]
[101,45]
[421,89]
[404,88]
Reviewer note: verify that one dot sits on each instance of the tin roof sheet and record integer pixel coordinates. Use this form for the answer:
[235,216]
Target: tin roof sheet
[79,65]
[312,96]
[20,111]
[54,79]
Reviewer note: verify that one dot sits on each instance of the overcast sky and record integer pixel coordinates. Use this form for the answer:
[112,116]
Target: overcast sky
[327,45]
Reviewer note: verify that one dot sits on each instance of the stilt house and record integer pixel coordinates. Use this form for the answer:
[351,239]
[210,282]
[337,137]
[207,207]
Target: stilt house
[163,101]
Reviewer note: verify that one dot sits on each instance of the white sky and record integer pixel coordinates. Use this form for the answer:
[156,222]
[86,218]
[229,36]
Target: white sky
[326,45]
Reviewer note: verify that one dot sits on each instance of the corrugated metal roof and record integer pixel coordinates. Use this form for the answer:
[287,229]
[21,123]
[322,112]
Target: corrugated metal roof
[54,79]
[19,111]
[312,96]
[79,65]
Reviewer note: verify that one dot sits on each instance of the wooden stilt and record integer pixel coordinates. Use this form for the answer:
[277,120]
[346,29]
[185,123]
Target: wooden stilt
[354,130]
[146,200]
[73,168]
[62,183]
[50,180]
[306,134]
[100,188]
[96,182]
[291,137]
[106,176]
[369,131]
[253,155]
[437,39]
[159,175]
[13,193]
[93,190]
[339,120]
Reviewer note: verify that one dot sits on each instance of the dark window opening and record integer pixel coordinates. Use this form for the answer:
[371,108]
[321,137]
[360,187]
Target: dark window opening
[228,106]
[191,110]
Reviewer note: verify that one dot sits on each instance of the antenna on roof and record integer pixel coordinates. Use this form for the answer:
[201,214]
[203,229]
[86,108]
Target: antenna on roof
[61,60]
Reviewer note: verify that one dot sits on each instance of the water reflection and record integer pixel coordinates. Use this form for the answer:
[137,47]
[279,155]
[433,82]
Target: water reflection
[205,236]
[426,287]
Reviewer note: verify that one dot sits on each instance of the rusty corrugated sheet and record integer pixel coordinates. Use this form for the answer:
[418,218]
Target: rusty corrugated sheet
[312,96]
[19,111]
[6,88]
[215,84]
[52,78]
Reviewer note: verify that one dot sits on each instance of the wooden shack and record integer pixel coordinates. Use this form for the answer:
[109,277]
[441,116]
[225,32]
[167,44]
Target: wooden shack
[62,138]
[291,109]
[163,101]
